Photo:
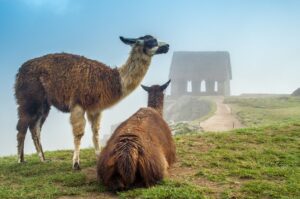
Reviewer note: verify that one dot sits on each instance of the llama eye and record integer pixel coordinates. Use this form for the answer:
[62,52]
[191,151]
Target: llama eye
[152,43]
[155,43]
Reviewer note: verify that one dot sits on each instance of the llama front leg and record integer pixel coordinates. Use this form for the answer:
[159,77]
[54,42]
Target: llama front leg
[94,118]
[78,124]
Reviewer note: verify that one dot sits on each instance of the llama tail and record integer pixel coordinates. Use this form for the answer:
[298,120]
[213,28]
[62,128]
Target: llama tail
[139,166]
[117,166]
[131,164]
[127,155]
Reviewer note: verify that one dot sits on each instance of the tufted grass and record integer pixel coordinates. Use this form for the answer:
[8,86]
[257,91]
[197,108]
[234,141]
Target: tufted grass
[260,162]
[265,111]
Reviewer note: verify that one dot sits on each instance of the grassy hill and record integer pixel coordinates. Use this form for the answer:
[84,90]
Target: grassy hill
[265,110]
[261,161]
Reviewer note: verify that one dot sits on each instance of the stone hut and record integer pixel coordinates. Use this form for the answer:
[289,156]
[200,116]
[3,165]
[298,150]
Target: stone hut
[200,73]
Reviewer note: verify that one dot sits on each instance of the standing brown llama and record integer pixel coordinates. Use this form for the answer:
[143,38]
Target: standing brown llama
[141,148]
[75,84]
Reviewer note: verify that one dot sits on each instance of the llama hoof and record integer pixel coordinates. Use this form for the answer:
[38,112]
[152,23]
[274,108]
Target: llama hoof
[97,153]
[76,166]
[22,162]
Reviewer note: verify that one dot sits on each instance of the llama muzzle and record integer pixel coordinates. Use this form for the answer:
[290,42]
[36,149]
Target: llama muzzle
[163,48]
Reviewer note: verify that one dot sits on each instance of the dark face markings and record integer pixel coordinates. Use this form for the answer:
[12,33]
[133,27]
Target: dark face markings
[151,43]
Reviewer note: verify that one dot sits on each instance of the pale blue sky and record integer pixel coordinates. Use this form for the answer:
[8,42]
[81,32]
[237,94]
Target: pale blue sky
[262,36]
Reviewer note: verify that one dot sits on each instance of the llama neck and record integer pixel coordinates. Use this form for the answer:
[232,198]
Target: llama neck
[156,102]
[134,70]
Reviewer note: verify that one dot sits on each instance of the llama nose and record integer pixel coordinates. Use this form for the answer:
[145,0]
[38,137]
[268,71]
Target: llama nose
[166,47]
[163,48]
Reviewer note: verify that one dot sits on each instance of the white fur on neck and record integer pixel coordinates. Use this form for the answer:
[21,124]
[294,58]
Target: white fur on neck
[134,70]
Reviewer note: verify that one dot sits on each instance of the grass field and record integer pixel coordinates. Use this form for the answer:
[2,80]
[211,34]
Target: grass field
[261,162]
[265,111]
[189,126]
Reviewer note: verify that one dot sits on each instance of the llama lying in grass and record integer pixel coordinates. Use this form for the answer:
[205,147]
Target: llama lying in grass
[75,84]
[141,148]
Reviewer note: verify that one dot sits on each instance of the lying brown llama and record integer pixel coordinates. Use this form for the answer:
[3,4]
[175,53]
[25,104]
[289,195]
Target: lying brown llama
[141,148]
[75,84]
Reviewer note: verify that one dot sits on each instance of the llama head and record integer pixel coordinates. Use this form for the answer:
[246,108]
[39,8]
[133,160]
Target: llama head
[156,88]
[156,95]
[148,44]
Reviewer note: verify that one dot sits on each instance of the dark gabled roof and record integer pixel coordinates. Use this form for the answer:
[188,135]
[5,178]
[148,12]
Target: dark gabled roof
[201,65]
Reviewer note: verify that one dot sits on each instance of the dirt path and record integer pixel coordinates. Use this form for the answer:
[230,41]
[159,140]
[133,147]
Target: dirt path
[222,120]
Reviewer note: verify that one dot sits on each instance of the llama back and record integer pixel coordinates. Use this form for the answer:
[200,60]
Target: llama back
[129,161]
[160,133]
[133,158]
[66,78]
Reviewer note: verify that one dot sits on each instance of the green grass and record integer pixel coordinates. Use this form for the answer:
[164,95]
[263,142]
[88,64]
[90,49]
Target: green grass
[212,110]
[166,189]
[192,126]
[265,111]
[45,180]
[261,162]
[247,163]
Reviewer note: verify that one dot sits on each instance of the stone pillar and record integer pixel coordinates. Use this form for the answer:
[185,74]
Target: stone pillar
[183,87]
[227,87]
[224,88]
[221,87]
[210,85]
[196,87]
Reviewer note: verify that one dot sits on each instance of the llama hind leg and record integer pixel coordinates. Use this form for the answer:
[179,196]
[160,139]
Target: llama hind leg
[78,124]
[94,118]
[22,127]
[35,130]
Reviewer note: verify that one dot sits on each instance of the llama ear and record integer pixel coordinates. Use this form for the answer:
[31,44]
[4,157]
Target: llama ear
[163,87]
[146,88]
[128,41]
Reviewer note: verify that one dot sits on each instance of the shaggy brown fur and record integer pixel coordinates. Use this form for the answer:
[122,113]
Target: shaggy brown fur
[75,84]
[64,80]
[141,149]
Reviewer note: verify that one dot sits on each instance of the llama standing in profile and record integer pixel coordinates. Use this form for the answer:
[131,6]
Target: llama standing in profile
[141,148]
[75,84]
